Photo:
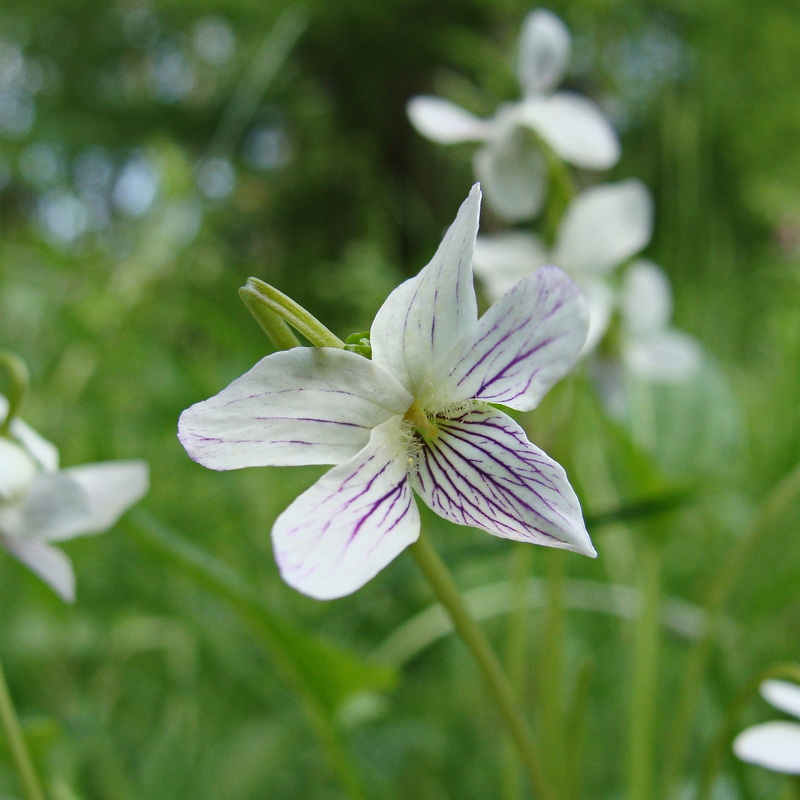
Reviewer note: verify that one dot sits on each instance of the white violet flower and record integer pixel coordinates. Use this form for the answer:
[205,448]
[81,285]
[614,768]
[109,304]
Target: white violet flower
[602,228]
[40,504]
[419,415]
[510,164]
[774,745]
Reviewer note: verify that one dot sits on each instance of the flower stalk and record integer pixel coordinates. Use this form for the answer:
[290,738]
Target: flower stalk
[474,638]
[18,382]
[16,744]
[271,307]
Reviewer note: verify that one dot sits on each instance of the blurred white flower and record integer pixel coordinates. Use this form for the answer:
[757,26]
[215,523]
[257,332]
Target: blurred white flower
[602,228]
[651,349]
[510,165]
[774,745]
[40,504]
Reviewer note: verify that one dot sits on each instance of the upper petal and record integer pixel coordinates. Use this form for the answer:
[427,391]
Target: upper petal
[575,128]
[352,522]
[774,745]
[544,52]
[308,405]
[482,471]
[783,695]
[524,343]
[645,298]
[110,489]
[425,315]
[445,122]
[513,174]
[50,564]
[604,226]
[501,259]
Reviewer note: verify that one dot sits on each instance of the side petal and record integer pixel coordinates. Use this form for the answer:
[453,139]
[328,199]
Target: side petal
[543,53]
[575,128]
[50,564]
[423,317]
[525,343]
[352,522]
[599,298]
[17,470]
[502,259]
[482,471]
[645,298]
[55,507]
[110,489]
[774,745]
[38,448]
[444,122]
[782,695]
[513,174]
[308,405]
[666,356]
[604,226]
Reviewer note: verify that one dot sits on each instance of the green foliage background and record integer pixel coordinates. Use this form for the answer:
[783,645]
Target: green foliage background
[151,686]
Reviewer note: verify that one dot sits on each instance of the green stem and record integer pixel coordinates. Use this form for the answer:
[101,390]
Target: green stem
[722,744]
[645,678]
[774,506]
[278,331]
[16,742]
[516,654]
[551,670]
[472,635]
[260,296]
[18,383]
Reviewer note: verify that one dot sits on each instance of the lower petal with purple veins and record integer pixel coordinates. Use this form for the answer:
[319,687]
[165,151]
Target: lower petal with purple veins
[482,471]
[353,521]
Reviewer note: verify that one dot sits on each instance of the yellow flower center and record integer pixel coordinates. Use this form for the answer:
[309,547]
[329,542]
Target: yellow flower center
[421,423]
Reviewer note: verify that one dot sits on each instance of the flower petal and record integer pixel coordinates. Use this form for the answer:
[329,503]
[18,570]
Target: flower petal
[782,695]
[544,52]
[110,489]
[17,470]
[774,745]
[39,449]
[481,471]
[513,174]
[575,128]
[444,122]
[425,315]
[645,298]
[524,343]
[352,522]
[600,301]
[308,405]
[50,564]
[604,226]
[667,357]
[501,259]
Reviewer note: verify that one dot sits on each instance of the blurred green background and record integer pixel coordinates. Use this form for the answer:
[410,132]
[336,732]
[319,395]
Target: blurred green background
[155,155]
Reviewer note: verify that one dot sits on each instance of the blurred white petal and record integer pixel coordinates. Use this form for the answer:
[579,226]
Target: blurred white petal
[783,695]
[604,226]
[774,745]
[574,127]
[544,52]
[502,259]
[444,122]
[645,298]
[50,564]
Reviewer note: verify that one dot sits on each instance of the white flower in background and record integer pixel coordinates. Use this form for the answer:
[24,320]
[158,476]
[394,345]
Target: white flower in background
[774,745]
[510,164]
[420,415]
[602,228]
[40,504]
[651,349]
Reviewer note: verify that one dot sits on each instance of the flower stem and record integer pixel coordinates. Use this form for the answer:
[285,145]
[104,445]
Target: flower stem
[18,380]
[447,592]
[16,744]
[645,674]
